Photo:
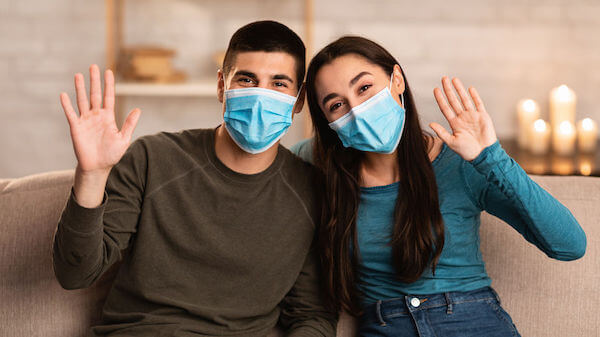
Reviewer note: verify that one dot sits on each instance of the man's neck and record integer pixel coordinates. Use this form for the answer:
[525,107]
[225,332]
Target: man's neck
[239,160]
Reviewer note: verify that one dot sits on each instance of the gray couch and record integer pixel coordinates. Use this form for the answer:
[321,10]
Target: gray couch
[544,297]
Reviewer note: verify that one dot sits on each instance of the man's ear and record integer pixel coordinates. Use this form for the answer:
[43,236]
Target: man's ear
[220,85]
[300,101]
[398,80]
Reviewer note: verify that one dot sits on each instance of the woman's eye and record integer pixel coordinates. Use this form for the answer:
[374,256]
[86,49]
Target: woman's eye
[364,87]
[335,106]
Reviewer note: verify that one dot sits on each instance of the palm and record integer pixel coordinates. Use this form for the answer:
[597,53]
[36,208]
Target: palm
[97,141]
[472,127]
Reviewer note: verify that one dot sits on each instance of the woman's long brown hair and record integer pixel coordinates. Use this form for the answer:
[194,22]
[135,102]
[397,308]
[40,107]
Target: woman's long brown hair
[418,235]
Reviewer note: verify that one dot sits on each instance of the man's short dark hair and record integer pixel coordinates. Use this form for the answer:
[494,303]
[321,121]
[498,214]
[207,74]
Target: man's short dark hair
[269,36]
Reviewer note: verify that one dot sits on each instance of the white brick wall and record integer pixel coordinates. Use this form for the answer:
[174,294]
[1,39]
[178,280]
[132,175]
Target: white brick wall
[507,49]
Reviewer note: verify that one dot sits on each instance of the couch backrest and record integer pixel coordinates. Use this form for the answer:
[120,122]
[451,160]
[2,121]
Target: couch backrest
[544,297]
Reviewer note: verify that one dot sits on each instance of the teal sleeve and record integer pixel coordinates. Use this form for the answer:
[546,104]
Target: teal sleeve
[504,189]
[304,149]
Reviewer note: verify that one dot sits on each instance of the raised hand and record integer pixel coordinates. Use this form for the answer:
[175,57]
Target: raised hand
[472,127]
[97,141]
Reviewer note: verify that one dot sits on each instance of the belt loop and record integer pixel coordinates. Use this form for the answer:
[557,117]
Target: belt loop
[448,303]
[378,313]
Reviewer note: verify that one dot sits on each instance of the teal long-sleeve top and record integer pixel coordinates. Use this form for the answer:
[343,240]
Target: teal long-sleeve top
[492,182]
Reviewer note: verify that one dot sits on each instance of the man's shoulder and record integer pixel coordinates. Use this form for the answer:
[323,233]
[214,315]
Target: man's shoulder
[187,137]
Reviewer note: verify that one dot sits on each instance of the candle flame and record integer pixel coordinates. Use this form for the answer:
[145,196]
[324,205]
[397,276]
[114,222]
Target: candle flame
[539,125]
[565,128]
[564,93]
[587,124]
[585,168]
[529,105]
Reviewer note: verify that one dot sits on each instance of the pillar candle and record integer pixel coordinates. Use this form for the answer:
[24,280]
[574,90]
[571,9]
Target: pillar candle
[562,106]
[563,140]
[587,135]
[527,112]
[539,137]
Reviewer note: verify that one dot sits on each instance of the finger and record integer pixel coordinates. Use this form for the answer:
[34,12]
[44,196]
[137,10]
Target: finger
[464,98]
[452,99]
[82,102]
[95,91]
[476,99]
[109,90]
[130,123]
[443,104]
[68,108]
[441,132]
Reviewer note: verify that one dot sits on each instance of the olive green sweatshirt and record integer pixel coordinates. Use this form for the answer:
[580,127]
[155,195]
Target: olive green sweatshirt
[204,250]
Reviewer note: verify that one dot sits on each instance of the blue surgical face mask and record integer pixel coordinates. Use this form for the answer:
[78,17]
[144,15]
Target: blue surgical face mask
[257,118]
[375,125]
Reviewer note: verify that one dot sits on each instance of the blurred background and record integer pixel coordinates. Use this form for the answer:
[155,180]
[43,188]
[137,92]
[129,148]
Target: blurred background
[509,50]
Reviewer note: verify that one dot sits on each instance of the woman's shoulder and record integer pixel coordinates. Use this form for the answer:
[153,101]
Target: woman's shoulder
[304,149]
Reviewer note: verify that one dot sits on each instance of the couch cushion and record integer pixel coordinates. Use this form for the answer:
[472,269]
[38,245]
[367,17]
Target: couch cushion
[547,297]
[33,303]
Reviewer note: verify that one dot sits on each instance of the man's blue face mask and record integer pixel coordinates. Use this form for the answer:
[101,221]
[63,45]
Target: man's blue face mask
[375,125]
[257,118]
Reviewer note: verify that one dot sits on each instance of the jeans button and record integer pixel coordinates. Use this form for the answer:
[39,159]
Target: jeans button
[415,302]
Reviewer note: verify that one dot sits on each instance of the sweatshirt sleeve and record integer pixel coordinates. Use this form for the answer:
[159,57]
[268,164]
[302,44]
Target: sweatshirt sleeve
[89,240]
[506,191]
[302,311]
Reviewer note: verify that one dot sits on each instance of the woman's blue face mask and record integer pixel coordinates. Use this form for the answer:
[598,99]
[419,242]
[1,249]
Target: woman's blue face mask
[375,125]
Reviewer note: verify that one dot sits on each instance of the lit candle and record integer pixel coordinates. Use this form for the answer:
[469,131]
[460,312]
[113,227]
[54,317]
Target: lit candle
[539,137]
[562,106]
[527,112]
[587,135]
[564,138]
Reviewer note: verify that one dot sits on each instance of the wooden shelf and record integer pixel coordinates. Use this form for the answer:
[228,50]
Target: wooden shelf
[195,88]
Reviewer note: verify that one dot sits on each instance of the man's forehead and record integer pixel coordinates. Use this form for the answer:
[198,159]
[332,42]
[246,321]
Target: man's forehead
[265,63]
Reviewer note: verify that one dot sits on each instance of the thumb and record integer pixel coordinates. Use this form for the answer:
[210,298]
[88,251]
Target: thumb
[131,122]
[441,132]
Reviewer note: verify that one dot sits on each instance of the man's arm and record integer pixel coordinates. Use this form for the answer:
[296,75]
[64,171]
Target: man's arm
[302,310]
[83,245]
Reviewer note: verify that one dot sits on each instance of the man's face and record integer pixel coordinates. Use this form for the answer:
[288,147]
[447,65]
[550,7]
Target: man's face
[268,70]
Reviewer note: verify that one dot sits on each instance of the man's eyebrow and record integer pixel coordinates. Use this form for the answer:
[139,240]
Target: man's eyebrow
[283,77]
[357,77]
[245,73]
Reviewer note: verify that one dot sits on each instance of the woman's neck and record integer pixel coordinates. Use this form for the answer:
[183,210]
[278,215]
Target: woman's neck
[378,169]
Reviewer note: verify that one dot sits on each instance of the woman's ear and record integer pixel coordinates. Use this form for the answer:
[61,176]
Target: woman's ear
[398,80]
[220,85]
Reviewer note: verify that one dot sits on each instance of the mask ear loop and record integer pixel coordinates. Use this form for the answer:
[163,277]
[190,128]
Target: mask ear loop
[401,95]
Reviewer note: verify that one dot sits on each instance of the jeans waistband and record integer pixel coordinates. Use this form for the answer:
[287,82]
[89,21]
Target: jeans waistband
[378,311]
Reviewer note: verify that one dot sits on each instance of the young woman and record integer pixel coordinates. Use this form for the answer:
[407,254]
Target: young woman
[400,227]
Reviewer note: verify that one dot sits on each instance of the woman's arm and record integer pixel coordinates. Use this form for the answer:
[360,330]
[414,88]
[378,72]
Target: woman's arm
[502,188]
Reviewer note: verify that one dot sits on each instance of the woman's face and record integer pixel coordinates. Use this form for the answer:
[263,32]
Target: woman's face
[350,80]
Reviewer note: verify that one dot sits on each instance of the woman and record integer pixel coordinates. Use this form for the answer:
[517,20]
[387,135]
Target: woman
[400,227]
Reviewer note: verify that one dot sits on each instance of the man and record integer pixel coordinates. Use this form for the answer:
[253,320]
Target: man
[218,224]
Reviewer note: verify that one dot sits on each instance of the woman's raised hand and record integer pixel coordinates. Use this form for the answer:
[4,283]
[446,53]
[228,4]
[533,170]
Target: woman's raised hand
[97,141]
[472,127]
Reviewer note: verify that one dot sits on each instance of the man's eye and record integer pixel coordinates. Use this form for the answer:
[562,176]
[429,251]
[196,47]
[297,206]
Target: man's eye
[245,80]
[363,88]
[281,84]
[335,106]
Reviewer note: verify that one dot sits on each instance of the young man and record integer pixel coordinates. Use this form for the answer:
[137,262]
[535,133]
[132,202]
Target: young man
[218,224]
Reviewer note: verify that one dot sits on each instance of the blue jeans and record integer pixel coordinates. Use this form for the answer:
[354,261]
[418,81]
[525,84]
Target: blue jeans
[464,314]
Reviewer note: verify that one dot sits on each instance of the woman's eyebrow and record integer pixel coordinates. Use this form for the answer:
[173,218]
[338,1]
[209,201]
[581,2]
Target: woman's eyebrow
[328,97]
[357,77]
